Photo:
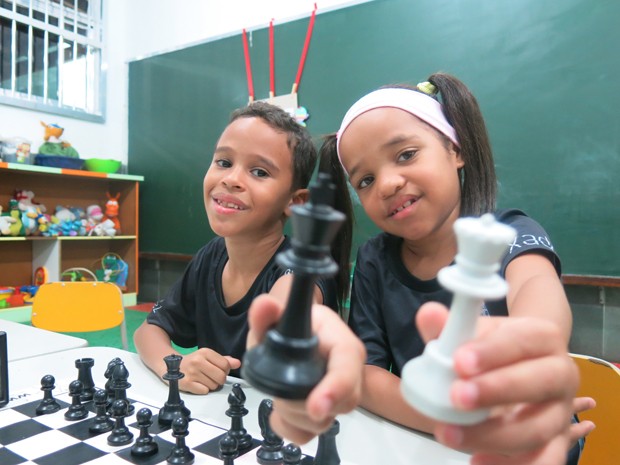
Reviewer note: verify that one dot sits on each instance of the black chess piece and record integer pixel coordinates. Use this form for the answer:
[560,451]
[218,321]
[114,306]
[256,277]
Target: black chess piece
[102,423]
[180,453]
[76,410]
[48,404]
[120,435]
[119,385]
[108,375]
[236,411]
[291,454]
[270,451]
[144,446]
[228,449]
[326,451]
[84,366]
[288,364]
[174,406]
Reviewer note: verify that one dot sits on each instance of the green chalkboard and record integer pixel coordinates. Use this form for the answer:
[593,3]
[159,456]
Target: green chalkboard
[546,73]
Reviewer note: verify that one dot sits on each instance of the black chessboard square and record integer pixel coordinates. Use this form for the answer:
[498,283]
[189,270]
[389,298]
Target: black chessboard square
[164,449]
[212,446]
[155,428]
[21,430]
[79,430]
[30,409]
[8,457]
[72,455]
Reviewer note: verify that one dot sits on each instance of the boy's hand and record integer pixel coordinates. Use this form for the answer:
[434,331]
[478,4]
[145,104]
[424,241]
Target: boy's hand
[520,368]
[205,371]
[340,389]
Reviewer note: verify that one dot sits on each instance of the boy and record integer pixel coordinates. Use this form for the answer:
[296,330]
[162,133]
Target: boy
[262,164]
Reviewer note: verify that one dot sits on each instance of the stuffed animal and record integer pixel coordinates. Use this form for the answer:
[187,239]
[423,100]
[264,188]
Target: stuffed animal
[5,223]
[25,199]
[111,210]
[17,228]
[105,228]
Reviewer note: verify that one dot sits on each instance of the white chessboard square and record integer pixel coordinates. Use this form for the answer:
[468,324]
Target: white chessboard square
[9,417]
[101,441]
[42,444]
[199,433]
[57,420]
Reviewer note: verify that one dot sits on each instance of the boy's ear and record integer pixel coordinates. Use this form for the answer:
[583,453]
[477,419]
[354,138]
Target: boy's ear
[299,197]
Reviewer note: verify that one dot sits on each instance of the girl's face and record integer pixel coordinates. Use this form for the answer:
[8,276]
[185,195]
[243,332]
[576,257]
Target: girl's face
[404,172]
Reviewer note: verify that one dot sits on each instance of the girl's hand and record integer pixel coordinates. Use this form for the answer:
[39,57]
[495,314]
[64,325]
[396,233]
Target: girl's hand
[519,367]
[340,389]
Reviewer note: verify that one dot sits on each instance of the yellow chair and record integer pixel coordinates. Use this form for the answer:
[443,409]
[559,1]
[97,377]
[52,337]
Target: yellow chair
[79,307]
[601,381]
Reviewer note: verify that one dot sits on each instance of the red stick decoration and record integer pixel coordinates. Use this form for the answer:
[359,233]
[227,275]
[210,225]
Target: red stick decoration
[302,60]
[248,67]
[272,78]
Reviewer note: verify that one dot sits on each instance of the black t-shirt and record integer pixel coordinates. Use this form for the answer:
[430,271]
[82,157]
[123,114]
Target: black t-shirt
[385,297]
[194,313]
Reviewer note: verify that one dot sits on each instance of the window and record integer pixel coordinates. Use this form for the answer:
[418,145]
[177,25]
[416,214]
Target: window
[50,56]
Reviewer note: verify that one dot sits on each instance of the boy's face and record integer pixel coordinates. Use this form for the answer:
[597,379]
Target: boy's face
[405,176]
[247,188]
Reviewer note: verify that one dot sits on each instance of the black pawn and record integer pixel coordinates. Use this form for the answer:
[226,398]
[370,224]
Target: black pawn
[228,449]
[236,411]
[102,423]
[180,453]
[76,410]
[326,452]
[270,451]
[119,385]
[288,364]
[174,406]
[48,404]
[120,435]
[84,366]
[291,454]
[144,446]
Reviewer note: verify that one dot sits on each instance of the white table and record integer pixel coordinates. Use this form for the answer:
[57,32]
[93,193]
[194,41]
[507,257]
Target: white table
[364,438]
[25,341]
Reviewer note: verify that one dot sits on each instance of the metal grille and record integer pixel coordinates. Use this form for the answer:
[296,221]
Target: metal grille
[50,56]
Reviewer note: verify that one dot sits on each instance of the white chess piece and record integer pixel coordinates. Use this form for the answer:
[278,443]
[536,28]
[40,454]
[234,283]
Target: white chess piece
[426,380]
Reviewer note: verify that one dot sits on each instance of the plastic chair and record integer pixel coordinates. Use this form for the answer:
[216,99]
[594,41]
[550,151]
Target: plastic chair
[601,381]
[79,307]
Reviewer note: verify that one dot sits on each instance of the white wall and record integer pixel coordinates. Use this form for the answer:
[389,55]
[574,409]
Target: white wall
[139,28]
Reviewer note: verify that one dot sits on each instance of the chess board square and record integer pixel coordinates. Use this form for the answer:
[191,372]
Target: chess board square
[30,409]
[73,455]
[79,430]
[10,417]
[212,447]
[164,448]
[42,444]
[21,431]
[8,457]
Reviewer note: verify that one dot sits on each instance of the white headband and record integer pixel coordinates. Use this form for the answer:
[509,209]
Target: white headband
[421,105]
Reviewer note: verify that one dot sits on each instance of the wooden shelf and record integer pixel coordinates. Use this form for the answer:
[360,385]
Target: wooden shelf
[69,188]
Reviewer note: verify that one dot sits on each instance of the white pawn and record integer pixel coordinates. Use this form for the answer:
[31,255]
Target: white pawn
[427,379]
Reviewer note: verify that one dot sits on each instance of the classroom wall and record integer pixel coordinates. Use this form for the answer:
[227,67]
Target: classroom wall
[140,28]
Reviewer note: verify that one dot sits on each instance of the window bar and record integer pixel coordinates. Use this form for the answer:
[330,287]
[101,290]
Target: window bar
[13,51]
[30,50]
[61,53]
[46,39]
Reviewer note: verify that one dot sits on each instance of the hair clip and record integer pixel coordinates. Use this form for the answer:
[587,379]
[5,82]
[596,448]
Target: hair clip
[427,88]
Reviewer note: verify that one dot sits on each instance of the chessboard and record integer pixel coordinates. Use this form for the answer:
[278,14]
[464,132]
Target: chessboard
[51,439]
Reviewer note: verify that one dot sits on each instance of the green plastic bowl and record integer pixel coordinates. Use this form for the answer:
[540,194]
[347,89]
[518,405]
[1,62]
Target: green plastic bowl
[102,165]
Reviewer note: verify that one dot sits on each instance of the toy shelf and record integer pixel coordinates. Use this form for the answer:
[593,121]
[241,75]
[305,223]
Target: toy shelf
[21,256]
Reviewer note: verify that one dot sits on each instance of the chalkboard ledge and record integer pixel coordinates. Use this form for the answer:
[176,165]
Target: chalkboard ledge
[585,280]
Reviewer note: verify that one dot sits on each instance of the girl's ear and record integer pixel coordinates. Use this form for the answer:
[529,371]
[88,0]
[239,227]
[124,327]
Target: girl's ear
[299,197]
[456,152]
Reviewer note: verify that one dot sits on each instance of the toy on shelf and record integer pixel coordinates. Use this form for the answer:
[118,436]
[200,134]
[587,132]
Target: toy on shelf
[111,210]
[77,274]
[113,269]
[25,199]
[94,224]
[53,145]
[41,276]
[5,223]
[5,293]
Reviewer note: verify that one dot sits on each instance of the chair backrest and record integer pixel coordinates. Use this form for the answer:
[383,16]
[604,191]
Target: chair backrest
[601,381]
[79,307]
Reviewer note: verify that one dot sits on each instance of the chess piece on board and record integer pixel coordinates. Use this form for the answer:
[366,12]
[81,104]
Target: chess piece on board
[102,423]
[327,452]
[119,385]
[48,404]
[287,364]
[120,435]
[174,406]
[270,451]
[426,380]
[291,454]
[180,453]
[84,366]
[76,411]
[236,412]
[228,449]
[145,445]
[108,375]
